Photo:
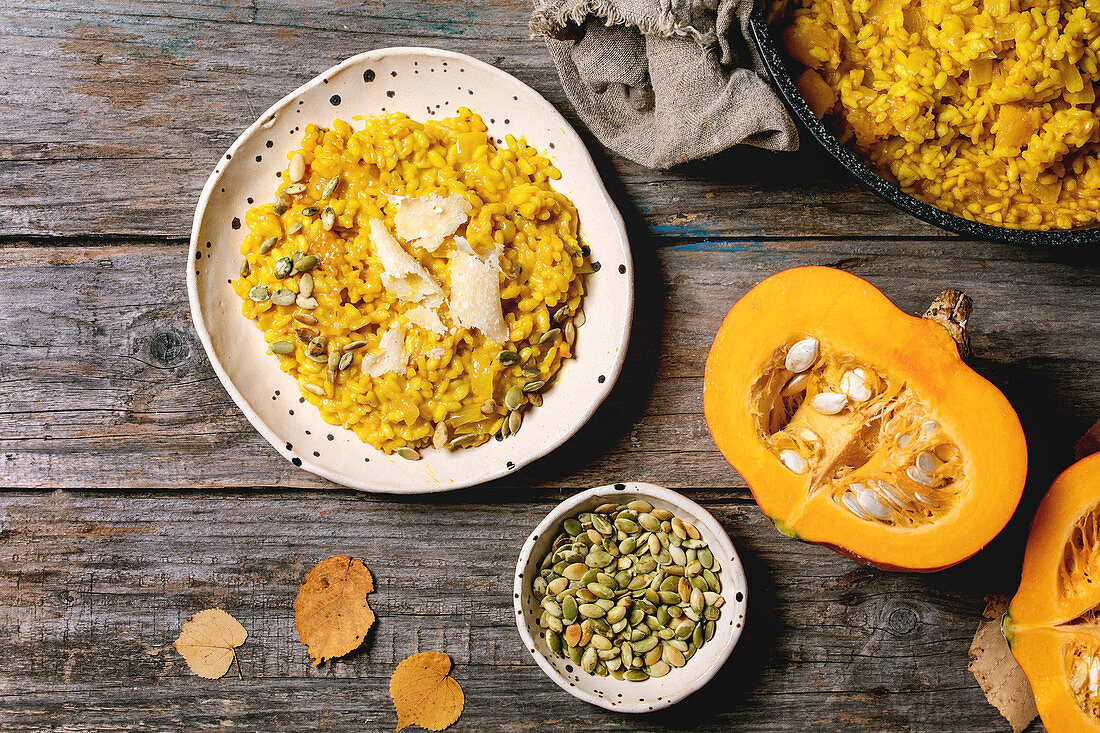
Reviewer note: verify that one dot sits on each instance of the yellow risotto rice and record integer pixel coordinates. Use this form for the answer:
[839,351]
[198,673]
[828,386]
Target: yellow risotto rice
[458,388]
[983,108]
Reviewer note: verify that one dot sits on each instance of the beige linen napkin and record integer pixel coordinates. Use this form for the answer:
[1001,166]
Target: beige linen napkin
[662,82]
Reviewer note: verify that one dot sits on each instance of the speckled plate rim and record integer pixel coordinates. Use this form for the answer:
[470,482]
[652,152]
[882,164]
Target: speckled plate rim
[784,83]
[715,534]
[609,374]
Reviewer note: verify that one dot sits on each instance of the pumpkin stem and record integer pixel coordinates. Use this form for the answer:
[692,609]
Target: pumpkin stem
[951,309]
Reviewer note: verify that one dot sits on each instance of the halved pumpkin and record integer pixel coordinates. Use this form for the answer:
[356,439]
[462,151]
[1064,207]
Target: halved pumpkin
[1053,623]
[858,426]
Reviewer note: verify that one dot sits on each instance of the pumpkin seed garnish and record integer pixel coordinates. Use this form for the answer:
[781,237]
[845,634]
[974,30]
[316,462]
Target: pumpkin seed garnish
[305,285]
[549,336]
[246,269]
[307,263]
[317,346]
[328,218]
[561,314]
[330,187]
[268,244]
[294,228]
[283,266]
[310,211]
[615,591]
[570,332]
[305,318]
[530,372]
[345,360]
[463,440]
[515,419]
[314,389]
[489,406]
[508,358]
[355,345]
[281,204]
[514,398]
[578,318]
[258,293]
[535,399]
[294,189]
[283,296]
[409,454]
[306,303]
[306,335]
[439,437]
[281,347]
[297,168]
[534,386]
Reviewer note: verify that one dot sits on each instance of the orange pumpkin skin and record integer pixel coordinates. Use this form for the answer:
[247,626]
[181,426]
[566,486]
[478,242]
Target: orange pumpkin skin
[850,317]
[1043,623]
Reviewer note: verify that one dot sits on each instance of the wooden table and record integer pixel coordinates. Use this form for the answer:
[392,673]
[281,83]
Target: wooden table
[138,494]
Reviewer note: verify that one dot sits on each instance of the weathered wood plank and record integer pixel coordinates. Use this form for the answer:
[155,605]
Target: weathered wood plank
[94,588]
[115,111]
[106,384]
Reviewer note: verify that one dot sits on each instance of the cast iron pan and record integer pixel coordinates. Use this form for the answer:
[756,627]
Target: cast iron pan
[776,64]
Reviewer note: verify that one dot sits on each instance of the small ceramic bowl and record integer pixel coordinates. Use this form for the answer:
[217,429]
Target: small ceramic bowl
[607,692]
[424,83]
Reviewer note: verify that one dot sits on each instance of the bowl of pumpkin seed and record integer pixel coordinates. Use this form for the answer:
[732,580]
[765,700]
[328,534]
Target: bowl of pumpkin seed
[630,596]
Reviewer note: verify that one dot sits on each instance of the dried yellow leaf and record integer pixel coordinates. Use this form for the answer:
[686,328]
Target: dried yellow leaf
[207,640]
[331,612]
[424,694]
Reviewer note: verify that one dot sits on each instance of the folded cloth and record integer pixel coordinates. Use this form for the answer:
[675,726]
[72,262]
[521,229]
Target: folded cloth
[662,82]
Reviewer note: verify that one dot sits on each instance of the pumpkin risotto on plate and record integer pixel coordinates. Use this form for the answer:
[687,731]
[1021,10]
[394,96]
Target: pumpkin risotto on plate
[422,283]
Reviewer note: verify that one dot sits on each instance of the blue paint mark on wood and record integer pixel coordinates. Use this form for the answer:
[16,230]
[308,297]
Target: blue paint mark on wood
[713,246]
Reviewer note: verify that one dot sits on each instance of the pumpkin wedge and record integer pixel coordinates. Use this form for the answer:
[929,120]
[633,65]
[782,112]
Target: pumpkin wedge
[858,426]
[1053,622]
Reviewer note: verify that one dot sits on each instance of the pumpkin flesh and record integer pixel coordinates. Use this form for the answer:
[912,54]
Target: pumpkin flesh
[1053,622]
[923,464]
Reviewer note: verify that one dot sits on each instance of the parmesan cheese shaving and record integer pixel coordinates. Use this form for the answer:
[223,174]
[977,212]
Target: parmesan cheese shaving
[436,353]
[402,275]
[475,296]
[493,258]
[427,221]
[391,356]
[426,319]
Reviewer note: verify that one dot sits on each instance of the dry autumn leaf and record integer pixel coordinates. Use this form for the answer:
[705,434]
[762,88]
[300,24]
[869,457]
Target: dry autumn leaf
[424,694]
[207,641]
[991,662]
[331,612]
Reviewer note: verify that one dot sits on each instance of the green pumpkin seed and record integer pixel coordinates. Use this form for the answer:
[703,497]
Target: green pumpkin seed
[282,268]
[310,211]
[294,228]
[281,204]
[259,293]
[345,361]
[535,399]
[575,571]
[246,269]
[464,440]
[589,660]
[268,244]
[283,296]
[488,407]
[591,610]
[549,336]
[328,218]
[314,389]
[307,263]
[601,591]
[295,188]
[513,398]
[534,386]
[550,622]
[578,318]
[306,303]
[635,675]
[515,419]
[561,314]
[572,526]
[330,187]
[531,372]
[508,358]
[570,333]
[281,347]
[355,345]
[569,609]
[409,454]
[644,645]
[553,641]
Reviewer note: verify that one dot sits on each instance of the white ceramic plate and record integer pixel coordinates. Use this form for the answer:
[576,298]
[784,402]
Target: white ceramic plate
[423,83]
[654,693]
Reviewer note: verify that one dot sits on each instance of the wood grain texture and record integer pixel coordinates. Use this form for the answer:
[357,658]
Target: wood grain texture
[137,494]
